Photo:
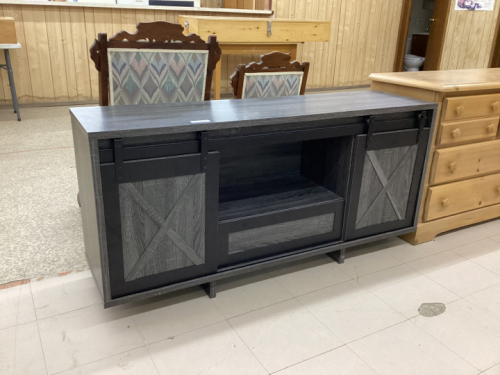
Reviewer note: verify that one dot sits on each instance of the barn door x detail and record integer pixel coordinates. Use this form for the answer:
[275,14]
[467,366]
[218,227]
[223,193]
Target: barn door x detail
[163,225]
[386,183]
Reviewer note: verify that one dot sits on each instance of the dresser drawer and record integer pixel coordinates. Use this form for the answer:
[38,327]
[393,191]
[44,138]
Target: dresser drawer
[465,131]
[471,106]
[457,163]
[457,197]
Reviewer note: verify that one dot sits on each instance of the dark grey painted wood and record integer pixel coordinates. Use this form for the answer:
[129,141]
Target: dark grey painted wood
[162,225]
[87,200]
[327,162]
[145,120]
[338,256]
[210,288]
[281,117]
[279,194]
[255,266]
[258,164]
[279,233]
[386,182]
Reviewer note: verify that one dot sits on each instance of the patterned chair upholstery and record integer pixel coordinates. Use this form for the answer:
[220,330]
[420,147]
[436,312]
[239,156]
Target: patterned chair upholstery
[156,64]
[156,76]
[273,77]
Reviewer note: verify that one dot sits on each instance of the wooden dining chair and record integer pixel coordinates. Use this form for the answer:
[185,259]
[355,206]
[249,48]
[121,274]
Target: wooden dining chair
[156,64]
[274,76]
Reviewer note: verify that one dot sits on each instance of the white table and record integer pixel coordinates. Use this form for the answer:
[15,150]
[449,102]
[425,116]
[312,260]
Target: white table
[8,68]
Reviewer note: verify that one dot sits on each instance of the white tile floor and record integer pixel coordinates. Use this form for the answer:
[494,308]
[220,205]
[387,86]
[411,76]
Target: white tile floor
[311,317]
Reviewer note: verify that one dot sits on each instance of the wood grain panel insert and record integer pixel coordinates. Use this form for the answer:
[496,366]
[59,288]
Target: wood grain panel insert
[279,233]
[457,197]
[163,225]
[457,163]
[385,187]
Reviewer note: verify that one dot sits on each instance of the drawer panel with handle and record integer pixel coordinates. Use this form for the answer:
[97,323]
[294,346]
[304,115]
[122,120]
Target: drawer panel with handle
[457,132]
[471,106]
[460,162]
[462,196]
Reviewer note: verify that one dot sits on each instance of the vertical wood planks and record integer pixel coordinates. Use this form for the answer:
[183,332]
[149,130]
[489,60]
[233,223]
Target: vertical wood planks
[19,57]
[90,35]
[38,53]
[81,53]
[5,90]
[54,63]
[69,55]
[469,39]
[56,54]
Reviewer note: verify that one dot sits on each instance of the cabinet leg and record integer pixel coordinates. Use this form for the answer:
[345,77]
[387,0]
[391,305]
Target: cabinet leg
[210,288]
[338,255]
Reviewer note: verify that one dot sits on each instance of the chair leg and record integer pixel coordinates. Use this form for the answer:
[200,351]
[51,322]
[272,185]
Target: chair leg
[12,84]
[210,288]
[338,255]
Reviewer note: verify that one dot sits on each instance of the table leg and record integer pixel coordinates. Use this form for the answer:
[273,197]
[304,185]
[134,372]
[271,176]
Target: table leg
[338,255]
[12,84]
[217,79]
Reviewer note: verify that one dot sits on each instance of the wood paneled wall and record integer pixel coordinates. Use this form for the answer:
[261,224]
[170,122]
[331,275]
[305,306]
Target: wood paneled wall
[469,38]
[362,40]
[54,63]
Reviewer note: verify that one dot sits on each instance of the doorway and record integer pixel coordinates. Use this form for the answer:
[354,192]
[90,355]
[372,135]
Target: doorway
[421,34]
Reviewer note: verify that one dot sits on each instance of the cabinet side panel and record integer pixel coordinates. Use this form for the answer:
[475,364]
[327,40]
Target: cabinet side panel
[88,202]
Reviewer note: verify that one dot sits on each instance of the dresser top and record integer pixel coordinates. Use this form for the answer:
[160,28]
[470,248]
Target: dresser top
[155,119]
[444,80]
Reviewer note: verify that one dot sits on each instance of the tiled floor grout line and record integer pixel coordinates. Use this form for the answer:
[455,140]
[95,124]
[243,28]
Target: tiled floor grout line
[151,357]
[250,350]
[38,329]
[442,343]
[343,343]
[41,347]
[489,368]
[97,360]
[307,359]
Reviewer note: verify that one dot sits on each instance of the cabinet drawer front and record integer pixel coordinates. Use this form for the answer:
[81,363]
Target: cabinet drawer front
[258,237]
[451,133]
[456,163]
[457,197]
[471,106]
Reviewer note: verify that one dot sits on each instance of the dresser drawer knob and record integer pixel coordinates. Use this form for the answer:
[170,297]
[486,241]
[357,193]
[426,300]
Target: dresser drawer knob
[445,202]
[453,167]
[495,106]
[459,110]
[491,128]
[498,189]
[456,133]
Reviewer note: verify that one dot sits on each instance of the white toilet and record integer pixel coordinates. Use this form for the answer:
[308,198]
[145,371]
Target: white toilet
[413,63]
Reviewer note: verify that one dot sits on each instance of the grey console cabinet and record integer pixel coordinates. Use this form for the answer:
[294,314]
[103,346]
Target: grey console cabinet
[190,193]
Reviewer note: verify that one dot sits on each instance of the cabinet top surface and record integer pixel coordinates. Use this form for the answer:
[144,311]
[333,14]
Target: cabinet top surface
[444,80]
[152,119]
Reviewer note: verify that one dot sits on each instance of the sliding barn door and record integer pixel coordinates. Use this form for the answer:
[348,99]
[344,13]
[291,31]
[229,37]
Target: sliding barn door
[161,218]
